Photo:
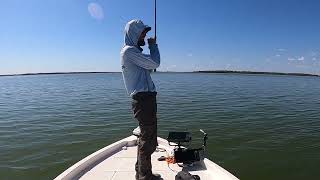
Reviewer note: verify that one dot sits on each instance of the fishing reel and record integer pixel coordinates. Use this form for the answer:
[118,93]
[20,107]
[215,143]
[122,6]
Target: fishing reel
[184,154]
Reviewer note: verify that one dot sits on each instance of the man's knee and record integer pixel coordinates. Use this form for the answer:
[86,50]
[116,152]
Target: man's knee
[147,147]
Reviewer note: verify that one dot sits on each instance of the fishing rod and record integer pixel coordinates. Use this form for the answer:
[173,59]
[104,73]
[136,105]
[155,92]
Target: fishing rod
[155,19]
[155,23]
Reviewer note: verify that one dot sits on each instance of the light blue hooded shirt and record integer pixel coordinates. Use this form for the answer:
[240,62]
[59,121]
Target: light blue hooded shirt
[136,66]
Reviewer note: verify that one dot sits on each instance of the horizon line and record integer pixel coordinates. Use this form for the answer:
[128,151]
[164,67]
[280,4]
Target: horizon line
[199,71]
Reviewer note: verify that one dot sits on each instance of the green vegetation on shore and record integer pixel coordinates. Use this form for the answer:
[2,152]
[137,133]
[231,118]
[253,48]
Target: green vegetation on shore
[254,72]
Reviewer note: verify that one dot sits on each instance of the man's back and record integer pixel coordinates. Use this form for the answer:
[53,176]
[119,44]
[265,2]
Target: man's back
[136,68]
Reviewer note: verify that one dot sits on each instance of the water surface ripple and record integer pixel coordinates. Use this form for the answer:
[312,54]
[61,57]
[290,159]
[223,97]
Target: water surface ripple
[260,126]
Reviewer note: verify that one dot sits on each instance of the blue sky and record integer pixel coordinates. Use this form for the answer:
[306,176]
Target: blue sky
[87,35]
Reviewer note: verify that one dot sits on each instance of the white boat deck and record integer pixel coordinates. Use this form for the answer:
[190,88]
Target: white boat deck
[121,167]
[117,163]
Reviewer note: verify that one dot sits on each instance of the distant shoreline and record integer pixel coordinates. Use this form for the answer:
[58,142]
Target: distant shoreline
[213,71]
[257,72]
[53,73]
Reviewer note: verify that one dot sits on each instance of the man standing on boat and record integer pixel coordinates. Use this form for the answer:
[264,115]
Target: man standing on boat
[136,69]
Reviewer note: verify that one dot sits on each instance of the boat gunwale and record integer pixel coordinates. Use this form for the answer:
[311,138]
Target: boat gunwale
[81,167]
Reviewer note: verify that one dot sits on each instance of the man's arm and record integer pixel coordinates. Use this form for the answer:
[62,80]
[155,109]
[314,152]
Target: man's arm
[154,53]
[145,61]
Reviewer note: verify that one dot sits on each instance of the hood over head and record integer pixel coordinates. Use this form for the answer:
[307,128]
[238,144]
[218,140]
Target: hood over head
[133,30]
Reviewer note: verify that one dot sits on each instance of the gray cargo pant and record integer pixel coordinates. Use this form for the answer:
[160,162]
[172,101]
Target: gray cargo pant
[144,107]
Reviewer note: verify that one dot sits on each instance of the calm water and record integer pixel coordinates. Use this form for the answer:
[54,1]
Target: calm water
[260,127]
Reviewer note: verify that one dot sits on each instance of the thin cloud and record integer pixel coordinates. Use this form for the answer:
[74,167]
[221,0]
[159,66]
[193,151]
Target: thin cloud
[171,67]
[281,50]
[313,53]
[189,54]
[296,59]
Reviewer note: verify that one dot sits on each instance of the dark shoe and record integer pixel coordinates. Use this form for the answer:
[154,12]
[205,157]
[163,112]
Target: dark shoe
[162,158]
[155,176]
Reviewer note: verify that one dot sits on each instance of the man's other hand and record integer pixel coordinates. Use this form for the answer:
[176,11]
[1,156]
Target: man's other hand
[152,41]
